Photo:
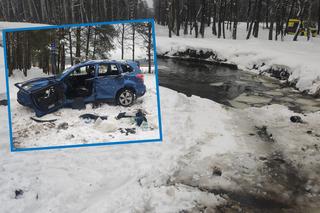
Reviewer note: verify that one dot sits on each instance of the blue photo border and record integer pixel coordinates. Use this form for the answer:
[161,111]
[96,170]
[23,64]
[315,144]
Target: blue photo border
[4,31]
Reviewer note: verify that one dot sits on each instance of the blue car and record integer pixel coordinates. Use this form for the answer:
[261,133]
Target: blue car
[91,81]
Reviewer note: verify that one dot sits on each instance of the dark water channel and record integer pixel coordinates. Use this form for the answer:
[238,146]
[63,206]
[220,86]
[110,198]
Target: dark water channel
[231,87]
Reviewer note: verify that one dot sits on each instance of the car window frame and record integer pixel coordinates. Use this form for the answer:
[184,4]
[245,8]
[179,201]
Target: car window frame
[69,73]
[125,64]
[109,63]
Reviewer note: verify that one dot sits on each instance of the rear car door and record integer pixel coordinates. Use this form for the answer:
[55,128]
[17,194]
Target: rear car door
[108,81]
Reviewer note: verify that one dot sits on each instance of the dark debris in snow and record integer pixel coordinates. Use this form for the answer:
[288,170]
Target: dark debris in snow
[18,193]
[264,134]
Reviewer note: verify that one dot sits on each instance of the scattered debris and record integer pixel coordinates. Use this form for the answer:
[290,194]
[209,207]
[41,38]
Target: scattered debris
[263,134]
[262,158]
[18,193]
[139,117]
[91,117]
[42,121]
[4,102]
[63,125]
[216,171]
[123,115]
[128,131]
[296,119]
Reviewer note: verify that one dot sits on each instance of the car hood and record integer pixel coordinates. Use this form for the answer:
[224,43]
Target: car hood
[37,83]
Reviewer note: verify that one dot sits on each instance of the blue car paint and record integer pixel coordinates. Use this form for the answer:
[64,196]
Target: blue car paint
[104,88]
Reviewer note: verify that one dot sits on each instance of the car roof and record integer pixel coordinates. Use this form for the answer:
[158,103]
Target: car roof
[102,61]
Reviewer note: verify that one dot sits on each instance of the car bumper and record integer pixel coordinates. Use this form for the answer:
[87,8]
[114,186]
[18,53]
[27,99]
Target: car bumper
[141,90]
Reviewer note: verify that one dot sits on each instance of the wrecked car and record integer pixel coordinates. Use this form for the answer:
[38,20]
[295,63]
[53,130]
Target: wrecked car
[92,81]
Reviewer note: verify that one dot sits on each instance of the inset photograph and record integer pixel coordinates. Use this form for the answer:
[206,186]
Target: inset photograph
[82,85]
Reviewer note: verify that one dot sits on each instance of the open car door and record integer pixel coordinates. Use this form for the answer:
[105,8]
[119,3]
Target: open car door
[48,99]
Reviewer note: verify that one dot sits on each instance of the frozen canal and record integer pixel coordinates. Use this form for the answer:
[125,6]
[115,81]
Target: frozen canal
[231,87]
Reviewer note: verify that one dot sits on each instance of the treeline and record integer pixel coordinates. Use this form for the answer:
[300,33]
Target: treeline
[72,11]
[194,16]
[49,49]
[53,49]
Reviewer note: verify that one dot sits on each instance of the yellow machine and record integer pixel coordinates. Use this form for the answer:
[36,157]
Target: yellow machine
[293,25]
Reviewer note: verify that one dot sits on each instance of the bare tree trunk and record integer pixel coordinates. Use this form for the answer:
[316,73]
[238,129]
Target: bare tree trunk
[186,17]
[248,14]
[88,42]
[9,57]
[235,20]
[133,40]
[149,46]
[267,12]
[70,47]
[72,11]
[252,20]
[219,19]
[224,18]
[319,17]
[122,41]
[30,9]
[63,58]
[177,18]
[271,30]
[214,15]
[308,23]
[44,14]
[65,11]
[202,25]
[36,11]
[78,42]
[301,8]
[257,20]
[170,17]
[94,44]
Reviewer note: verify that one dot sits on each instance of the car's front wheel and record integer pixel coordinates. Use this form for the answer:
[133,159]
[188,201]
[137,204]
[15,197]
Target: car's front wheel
[125,97]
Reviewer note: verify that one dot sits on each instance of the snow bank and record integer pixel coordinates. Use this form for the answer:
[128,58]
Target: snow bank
[301,58]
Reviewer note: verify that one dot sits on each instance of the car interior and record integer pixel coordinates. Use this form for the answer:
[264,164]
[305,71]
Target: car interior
[80,82]
[108,69]
[49,97]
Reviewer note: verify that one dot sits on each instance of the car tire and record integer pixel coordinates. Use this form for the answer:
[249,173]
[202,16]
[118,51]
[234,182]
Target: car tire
[125,97]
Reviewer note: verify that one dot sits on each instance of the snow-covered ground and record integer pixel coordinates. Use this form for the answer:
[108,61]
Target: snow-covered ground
[213,159]
[300,58]
[69,129]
